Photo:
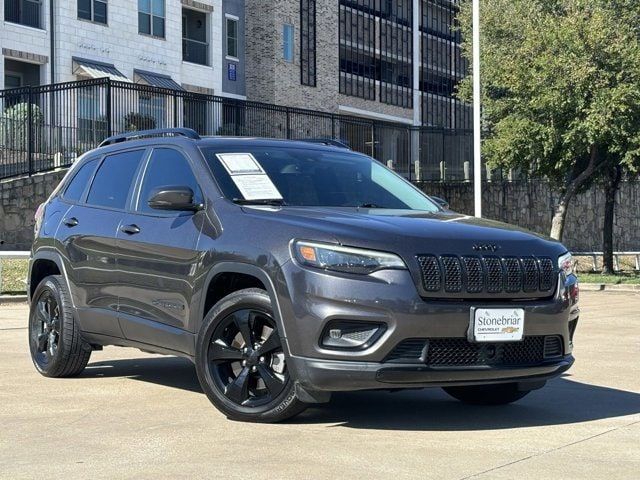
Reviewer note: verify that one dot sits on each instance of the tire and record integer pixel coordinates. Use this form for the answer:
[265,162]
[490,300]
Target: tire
[55,342]
[244,382]
[498,394]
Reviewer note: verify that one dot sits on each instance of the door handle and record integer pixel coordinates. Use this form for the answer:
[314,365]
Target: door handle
[130,229]
[70,222]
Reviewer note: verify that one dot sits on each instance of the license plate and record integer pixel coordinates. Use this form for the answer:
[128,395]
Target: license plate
[496,324]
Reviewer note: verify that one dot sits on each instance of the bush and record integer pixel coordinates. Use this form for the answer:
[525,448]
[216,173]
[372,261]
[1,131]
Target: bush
[14,128]
[139,121]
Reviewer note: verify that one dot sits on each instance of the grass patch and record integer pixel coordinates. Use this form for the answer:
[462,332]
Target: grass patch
[626,278]
[13,274]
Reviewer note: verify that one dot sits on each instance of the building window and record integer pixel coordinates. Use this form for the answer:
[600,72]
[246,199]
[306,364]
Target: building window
[93,10]
[287,42]
[232,37]
[151,17]
[396,52]
[358,58]
[195,48]
[24,12]
[154,108]
[308,42]
[442,67]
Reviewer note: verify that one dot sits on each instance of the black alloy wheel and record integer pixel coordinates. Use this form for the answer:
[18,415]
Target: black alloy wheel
[45,328]
[241,361]
[246,360]
[55,341]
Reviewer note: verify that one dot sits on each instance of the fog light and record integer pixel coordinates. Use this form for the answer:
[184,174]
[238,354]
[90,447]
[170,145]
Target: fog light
[340,334]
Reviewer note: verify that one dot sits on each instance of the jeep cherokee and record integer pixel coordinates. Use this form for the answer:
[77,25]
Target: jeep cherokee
[287,270]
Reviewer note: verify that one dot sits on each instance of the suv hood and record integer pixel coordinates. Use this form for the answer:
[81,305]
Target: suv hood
[409,232]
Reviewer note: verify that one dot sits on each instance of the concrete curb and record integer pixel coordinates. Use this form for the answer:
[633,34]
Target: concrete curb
[13,299]
[600,287]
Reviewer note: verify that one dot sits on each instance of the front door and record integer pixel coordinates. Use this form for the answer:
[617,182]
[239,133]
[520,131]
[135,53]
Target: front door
[158,256]
[87,234]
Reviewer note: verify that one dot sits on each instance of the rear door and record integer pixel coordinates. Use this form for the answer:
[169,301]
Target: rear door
[98,195]
[158,256]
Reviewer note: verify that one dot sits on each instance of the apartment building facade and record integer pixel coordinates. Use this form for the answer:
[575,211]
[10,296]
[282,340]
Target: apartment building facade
[394,60]
[178,44]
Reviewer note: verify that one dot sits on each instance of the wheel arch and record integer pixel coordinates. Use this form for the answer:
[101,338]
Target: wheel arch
[42,264]
[252,271]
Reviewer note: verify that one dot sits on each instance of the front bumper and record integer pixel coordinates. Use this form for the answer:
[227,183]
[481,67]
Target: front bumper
[312,299]
[336,376]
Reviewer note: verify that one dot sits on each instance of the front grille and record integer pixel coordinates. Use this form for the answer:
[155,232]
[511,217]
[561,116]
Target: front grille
[459,352]
[486,274]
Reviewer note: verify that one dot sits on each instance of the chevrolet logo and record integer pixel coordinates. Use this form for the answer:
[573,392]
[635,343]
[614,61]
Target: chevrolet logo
[485,247]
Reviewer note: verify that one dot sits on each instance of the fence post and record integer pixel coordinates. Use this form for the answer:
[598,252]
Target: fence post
[30,130]
[175,109]
[333,127]
[109,113]
[288,123]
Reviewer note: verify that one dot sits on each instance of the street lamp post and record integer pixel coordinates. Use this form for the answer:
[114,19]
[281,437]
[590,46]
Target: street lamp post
[477,138]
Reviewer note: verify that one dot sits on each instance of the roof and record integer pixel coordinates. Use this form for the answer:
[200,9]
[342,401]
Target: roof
[157,80]
[96,69]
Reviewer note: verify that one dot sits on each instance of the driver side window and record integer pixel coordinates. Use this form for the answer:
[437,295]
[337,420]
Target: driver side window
[167,167]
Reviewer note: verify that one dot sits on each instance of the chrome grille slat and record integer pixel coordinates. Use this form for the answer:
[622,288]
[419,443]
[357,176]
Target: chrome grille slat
[486,274]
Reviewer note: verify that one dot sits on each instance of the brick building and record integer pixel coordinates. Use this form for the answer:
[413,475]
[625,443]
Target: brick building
[391,60]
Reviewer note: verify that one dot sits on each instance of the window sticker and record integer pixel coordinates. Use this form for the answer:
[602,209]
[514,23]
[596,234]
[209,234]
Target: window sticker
[256,187]
[240,163]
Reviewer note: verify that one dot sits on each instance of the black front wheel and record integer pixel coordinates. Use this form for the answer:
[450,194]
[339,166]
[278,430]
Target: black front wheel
[56,346]
[240,361]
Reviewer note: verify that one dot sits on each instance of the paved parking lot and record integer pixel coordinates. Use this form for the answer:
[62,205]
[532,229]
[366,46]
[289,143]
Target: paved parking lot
[135,415]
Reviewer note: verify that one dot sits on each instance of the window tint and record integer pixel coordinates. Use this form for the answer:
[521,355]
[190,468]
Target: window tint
[112,183]
[167,167]
[78,183]
[324,177]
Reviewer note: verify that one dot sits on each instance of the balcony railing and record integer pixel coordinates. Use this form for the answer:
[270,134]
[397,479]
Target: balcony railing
[24,12]
[195,51]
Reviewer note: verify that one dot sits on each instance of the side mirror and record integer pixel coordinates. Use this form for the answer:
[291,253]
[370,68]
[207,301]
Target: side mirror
[441,202]
[177,198]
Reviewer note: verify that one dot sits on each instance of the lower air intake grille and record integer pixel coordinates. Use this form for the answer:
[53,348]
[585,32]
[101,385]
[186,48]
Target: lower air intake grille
[407,351]
[452,352]
[553,346]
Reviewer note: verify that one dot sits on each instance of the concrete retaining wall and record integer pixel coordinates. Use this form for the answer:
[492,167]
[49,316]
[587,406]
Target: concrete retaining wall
[529,205]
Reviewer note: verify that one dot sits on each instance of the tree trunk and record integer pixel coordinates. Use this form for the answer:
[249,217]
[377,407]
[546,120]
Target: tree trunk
[560,215]
[612,183]
[569,191]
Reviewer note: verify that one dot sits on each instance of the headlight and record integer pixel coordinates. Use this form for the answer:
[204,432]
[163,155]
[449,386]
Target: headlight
[344,259]
[565,264]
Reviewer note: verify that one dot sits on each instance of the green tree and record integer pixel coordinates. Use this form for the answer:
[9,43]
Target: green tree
[561,88]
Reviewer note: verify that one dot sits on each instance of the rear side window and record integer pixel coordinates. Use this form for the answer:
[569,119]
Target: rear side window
[111,185]
[167,167]
[79,182]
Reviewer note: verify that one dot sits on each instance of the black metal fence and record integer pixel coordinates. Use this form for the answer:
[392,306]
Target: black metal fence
[47,127]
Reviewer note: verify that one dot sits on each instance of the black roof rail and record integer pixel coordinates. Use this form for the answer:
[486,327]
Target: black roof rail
[326,141]
[156,132]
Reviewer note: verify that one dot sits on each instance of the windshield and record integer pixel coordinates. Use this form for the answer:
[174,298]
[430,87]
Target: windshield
[310,177]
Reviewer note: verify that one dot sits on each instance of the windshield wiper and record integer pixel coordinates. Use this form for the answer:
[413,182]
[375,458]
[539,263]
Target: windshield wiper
[276,202]
[369,205]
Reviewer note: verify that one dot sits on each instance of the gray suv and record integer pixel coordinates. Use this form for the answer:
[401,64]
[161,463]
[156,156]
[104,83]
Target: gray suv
[287,270]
